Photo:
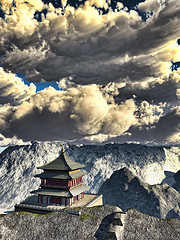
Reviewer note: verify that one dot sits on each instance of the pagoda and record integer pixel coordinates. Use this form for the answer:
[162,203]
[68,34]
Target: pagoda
[61,182]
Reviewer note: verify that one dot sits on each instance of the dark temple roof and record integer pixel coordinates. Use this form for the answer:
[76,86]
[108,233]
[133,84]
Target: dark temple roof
[64,175]
[62,163]
[62,193]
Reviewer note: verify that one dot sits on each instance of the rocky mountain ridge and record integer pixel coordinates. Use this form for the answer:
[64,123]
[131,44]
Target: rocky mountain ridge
[18,165]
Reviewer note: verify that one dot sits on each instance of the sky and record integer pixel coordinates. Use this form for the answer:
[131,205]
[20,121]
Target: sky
[91,72]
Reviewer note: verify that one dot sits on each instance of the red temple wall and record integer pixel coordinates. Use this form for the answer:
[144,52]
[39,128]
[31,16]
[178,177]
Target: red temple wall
[61,183]
[59,201]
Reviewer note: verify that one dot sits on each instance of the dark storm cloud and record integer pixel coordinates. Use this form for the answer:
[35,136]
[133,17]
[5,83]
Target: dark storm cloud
[167,126]
[156,92]
[83,43]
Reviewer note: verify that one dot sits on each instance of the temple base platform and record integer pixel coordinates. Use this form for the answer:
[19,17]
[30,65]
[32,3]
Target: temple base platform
[31,204]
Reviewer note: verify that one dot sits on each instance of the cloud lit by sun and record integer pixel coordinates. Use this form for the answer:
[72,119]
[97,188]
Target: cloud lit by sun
[114,67]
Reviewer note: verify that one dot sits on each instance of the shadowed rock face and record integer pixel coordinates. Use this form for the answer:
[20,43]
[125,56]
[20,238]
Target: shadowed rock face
[125,190]
[177,180]
[177,177]
[169,179]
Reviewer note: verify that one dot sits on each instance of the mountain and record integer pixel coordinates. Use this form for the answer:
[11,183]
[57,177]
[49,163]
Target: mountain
[125,190]
[18,165]
[97,223]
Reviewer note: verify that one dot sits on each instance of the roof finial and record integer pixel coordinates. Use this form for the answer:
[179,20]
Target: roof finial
[63,150]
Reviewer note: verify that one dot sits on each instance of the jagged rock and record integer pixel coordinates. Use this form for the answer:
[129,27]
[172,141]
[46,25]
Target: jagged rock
[169,179]
[173,213]
[111,236]
[126,190]
[117,219]
[176,185]
[177,177]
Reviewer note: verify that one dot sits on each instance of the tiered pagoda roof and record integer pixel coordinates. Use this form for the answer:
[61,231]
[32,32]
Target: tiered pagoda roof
[62,163]
[64,176]
[62,193]
[62,168]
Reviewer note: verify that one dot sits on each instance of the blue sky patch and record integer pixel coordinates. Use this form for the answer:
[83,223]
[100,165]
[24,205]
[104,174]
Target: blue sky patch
[41,85]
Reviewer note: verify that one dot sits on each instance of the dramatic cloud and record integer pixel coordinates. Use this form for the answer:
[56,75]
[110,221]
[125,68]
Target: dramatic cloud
[114,69]
[12,89]
[168,126]
[87,114]
[88,46]
[156,90]
[68,115]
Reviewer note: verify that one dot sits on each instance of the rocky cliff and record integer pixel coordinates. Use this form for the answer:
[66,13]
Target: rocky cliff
[176,185]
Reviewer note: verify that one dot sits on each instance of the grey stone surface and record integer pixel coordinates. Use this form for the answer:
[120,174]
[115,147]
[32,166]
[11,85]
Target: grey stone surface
[62,226]
[143,227]
[126,190]
[98,224]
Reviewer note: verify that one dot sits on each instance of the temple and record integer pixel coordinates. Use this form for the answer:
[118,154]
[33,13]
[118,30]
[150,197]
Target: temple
[61,187]
[61,182]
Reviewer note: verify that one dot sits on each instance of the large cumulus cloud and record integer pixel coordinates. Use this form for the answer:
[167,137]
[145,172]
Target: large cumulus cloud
[68,115]
[84,114]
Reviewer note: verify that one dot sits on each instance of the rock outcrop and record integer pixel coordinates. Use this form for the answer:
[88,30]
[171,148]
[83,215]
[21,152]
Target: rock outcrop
[125,190]
[176,185]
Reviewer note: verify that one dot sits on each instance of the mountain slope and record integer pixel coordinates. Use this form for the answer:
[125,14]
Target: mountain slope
[125,190]
[18,165]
